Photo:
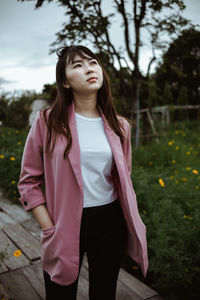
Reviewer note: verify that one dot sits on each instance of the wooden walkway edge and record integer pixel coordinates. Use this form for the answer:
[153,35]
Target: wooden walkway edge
[21,276]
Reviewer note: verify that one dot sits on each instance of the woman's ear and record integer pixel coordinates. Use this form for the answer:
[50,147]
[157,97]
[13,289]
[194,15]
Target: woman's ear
[66,84]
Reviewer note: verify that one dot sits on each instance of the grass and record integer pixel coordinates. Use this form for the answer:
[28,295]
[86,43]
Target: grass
[166,178]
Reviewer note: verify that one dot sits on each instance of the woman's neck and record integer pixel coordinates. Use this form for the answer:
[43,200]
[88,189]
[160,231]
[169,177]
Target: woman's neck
[86,106]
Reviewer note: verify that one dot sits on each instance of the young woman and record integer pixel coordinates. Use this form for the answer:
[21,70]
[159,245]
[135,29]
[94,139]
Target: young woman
[81,149]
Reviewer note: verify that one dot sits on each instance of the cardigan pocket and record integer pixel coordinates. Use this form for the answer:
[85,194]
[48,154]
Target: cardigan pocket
[48,247]
[47,231]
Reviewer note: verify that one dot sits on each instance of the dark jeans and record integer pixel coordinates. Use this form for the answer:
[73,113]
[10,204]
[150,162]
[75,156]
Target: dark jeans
[103,238]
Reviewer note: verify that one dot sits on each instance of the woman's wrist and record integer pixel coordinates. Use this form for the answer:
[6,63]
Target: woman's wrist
[42,216]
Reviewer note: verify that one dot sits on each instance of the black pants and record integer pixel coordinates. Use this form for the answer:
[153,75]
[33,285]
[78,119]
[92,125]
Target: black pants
[103,238]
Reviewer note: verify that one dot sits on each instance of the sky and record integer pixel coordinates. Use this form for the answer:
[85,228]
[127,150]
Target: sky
[26,35]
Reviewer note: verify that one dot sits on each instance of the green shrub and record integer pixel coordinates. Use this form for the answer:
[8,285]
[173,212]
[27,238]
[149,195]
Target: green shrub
[166,178]
[11,148]
[15,109]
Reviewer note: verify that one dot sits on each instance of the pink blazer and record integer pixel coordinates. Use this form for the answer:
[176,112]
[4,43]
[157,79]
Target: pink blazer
[63,196]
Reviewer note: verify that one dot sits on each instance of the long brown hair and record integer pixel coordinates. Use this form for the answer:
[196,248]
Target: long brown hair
[57,122]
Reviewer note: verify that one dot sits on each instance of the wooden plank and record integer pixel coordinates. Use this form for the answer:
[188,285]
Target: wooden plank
[158,297]
[33,227]
[16,212]
[17,286]
[8,248]
[3,293]
[137,286]
[125,293]
[84,268]
[3,268]
[24,240]
[5,219]
[34,275]
[83,289]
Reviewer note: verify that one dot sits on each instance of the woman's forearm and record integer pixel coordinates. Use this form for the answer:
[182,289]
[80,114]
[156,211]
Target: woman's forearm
[41,214]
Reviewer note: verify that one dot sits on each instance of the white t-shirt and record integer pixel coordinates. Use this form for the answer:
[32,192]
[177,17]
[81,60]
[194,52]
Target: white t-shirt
[96,162]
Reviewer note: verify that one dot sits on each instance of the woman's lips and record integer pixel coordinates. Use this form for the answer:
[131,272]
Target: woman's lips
[92,79]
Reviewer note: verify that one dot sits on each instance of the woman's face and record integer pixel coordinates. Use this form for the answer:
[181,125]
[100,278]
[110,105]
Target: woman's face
[83,75]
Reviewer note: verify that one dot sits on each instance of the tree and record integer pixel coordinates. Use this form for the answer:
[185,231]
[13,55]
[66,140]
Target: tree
[85,21]
[180,69]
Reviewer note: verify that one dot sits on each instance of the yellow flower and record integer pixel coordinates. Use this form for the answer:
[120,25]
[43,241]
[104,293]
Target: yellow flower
[188,168]
[187,217]
[19,143]
[14,192]
[197,187]
[177,147]
[177,181]
[150,163]
[17,253]
[183,134]
[13,181]
[12,158]
[190,148]
[173,161]
[161,182]
[9,132]
[176,131]
[188,153]
[17,131]
[135,267]
[2,156]
[195,171]
[171,177]
[184,178]
[170,143]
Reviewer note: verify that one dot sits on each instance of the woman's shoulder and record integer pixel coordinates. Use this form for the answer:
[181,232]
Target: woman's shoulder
[43,114]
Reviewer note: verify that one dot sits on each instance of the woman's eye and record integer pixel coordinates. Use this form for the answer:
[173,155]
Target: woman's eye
[93,62]
[79,65]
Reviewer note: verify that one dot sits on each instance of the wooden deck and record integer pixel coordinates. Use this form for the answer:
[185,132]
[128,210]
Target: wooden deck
[21,277]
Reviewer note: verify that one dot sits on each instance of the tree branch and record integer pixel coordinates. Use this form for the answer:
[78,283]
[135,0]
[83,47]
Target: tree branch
[121,10]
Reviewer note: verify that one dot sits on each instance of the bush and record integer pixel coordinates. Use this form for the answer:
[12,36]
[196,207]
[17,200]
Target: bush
[11,147]
[15,110]
[166,180]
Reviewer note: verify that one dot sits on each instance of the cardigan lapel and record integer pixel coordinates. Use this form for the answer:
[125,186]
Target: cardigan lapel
[114,142]
[74,154]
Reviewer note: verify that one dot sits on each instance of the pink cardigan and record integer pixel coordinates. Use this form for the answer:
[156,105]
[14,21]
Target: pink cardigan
[63,196]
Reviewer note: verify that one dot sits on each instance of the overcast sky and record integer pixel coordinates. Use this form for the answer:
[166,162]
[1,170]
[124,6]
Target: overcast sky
[26,35]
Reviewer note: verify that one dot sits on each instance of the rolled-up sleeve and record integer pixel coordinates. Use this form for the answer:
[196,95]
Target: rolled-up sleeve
[32,168]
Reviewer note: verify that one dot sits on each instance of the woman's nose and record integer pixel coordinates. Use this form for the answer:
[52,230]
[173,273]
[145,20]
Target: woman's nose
[88,68]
